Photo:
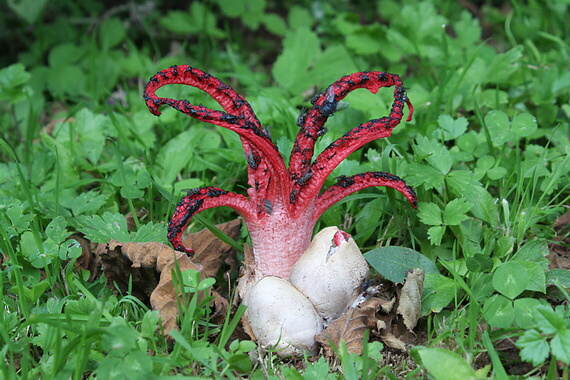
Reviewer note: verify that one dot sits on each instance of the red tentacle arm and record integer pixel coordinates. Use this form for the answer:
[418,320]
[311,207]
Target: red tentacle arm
[325,105]
[238,117]
[357,137]
[232,102]
[348,185]
[201,199]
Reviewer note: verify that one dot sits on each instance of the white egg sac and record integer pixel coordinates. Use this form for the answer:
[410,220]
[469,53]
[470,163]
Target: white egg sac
[331,272]
[281,317]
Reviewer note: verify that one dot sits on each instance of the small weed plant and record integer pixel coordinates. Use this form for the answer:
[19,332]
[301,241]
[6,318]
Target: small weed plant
[488,154]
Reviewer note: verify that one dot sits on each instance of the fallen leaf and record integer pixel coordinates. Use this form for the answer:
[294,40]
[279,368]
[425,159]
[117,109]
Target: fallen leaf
[146,269]
[164,297]
[210,251]
[386,326]
[221,308]
[391,341]
[410,300]
[131,266]
[88,260]
[559,255]
[350,327]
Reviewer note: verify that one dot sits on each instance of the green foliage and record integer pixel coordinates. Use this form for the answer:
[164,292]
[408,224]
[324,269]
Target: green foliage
[444,364]
[487,153]
[550,336]
[394,263]
[101,229]
[453,214]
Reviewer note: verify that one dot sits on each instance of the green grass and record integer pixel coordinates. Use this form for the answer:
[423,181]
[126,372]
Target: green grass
[487,153]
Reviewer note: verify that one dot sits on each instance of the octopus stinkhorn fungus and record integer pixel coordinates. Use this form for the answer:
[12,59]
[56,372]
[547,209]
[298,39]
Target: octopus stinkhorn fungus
[283,203]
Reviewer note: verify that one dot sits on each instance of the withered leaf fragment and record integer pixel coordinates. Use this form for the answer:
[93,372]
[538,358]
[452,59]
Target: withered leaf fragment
[350,327]
[210,251]
[410,300]
[151,266]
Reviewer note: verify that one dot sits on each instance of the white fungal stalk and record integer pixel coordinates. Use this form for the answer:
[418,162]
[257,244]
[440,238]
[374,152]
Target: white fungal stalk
[324,283]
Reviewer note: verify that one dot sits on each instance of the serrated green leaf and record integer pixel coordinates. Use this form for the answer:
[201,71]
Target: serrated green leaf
[333,62]
[454,212]
[102,228]
[560,346]
[463,183]
[453,128]
[93,130]
[85,202]
[534,347]
[558,276]
[430,214]
[151,232]
[548,320]
[503,65]
[428,176]
[120,337]
[468,29]
[112,33]
[199,19]
[15,210]
[299,17]
[393,263]
[182,147]
[433,152]
[435,234]
[300,48]
[367,39]
[275,24]
[12,80]
[511,279]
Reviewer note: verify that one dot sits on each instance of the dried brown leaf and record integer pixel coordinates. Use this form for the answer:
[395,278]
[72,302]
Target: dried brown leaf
[559,255]
[410,300]
[350,327]
[88,260]
[123,261]
[164,298]
[391,341]
[210,251]
[150,266]
[221,308]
